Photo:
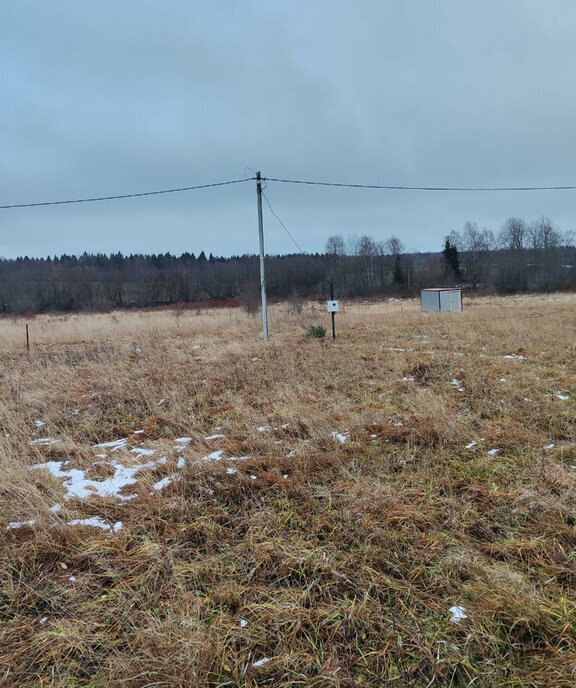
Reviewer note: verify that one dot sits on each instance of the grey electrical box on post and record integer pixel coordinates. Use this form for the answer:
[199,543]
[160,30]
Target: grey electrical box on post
[332,306]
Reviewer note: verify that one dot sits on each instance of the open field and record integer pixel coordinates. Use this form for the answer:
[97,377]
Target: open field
[183,505]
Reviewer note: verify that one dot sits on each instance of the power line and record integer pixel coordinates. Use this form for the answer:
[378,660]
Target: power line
[294,181]
[303,253]
[421,188]
[134,195]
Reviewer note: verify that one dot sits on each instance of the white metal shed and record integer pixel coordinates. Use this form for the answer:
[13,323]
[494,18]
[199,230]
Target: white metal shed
[441,299]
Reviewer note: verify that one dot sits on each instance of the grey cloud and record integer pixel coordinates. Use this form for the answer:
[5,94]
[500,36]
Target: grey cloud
[127,96]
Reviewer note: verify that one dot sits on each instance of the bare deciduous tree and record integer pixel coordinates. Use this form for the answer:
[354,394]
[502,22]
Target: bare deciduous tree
[513,234]
[394,246]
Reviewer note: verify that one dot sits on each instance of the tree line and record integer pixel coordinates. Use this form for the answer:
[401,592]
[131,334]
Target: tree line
[522,256]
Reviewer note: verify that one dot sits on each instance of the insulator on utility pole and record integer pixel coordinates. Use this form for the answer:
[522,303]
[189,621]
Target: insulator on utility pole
[262,272]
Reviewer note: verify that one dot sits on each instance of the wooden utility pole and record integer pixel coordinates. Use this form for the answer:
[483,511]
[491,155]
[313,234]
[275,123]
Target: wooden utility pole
[262,273]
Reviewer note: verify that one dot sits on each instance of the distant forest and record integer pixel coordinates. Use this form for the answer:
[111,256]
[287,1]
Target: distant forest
[523,256]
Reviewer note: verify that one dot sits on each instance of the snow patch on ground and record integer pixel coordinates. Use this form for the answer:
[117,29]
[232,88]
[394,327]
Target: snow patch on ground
[341,437]
[114,445]
[163,483]
[77,485]
[139,451]
[18,524]
[261,662]
[218,455]
[458,613]
[96,522]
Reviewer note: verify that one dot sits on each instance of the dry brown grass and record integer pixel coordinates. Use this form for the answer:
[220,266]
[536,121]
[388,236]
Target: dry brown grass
[344,570]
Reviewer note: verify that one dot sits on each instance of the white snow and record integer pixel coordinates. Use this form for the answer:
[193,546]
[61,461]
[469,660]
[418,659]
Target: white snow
[340,436]
[407,378]
[231,471]
[243,623]
[96,522]
[162,483]
[516,356]
[493,452]
[215,437]
[143,452]
[181,462]
[503,379]
[183,440]
[458,613]
[261,662]
[549,446]
[114,445]
[44,441]
[79,486]
[471,444]
[218,455]
[562,396]
[18,524]
[39,423]
[264,428]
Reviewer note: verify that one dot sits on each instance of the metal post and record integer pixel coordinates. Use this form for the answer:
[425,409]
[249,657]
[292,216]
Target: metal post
[332,314]
[262,275]
[27,339]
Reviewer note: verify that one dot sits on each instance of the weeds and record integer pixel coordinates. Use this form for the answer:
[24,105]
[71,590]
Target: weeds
[316,332]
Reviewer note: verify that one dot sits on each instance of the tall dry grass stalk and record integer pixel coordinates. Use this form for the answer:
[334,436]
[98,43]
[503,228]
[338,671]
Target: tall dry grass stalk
[419,462]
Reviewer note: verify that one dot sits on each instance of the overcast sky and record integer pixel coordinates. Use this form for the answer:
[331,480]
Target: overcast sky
[126,96]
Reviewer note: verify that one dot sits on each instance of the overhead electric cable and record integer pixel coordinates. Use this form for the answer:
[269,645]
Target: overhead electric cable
[308,182]
[421,188]
[133,195]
